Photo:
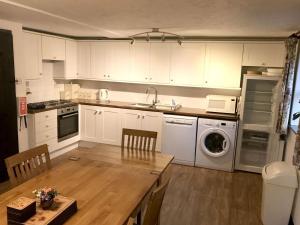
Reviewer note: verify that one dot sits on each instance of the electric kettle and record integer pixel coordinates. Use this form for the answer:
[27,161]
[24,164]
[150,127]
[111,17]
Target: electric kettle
[103,95]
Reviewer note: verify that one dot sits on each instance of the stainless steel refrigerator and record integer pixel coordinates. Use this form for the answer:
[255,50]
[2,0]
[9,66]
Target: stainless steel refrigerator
[8,106]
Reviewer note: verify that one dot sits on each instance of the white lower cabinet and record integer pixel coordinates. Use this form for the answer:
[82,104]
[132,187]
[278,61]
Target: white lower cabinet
[105,124]
[101,124]
[42,129]
[144,120]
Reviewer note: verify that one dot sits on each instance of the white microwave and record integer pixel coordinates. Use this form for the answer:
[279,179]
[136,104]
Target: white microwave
[221,104]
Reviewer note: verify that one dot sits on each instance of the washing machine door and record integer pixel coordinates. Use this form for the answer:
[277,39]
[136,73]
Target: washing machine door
[215,142]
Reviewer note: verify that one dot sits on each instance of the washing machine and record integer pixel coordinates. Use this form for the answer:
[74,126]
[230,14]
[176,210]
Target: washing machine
[216,142]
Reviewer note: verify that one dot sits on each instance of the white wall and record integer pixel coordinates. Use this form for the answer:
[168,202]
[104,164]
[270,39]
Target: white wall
[187,96]
[16,29]
[45,88]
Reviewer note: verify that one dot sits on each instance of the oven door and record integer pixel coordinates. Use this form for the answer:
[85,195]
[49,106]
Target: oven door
[67,126]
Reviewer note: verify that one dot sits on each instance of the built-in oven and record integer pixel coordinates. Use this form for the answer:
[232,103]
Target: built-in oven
[67,122]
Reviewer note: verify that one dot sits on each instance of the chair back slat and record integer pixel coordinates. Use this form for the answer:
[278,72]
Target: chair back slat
[154,205]
[138,139]
[25,165]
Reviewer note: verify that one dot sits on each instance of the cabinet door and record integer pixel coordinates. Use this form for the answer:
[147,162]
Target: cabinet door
[264,54]
[32,55]
[111,126]
[53,48]
[223,65]
[90,124]
[140,53]
[98,60]
[187,64]
[119,61]
[71,59]
[159,63]
[152,121]
[131,119]
[84,59]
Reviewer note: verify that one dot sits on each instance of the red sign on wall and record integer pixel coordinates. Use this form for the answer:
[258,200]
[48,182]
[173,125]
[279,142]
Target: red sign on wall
[22,106]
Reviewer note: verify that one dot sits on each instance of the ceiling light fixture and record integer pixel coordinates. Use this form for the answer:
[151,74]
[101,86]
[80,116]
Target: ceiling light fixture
[154,32]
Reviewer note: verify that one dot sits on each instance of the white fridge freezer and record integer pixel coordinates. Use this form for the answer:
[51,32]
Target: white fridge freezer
[179,138]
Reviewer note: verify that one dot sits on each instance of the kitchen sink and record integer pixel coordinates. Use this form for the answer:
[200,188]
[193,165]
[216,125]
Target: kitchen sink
[143,105]
[157,106]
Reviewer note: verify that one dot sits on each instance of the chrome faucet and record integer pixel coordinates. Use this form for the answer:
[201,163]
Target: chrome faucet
[155,92]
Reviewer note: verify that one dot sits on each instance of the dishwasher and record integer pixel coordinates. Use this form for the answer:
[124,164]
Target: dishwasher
[179,138]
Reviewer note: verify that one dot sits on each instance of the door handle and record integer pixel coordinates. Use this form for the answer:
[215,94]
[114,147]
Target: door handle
[224,144]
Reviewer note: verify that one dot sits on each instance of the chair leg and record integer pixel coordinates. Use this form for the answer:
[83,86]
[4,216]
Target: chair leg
[139,218]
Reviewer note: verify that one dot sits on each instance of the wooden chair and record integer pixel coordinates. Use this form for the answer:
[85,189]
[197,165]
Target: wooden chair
[154,205]
[25,165]
[139,140]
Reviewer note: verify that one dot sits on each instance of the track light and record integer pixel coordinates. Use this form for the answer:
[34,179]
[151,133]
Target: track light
[164,36]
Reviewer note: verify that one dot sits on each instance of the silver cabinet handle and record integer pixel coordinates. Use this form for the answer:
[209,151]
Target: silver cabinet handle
[100,112]
[143,117]
[96,111]
[138,116]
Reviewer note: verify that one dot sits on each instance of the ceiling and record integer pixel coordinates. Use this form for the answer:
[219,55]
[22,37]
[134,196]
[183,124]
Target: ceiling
[111,18]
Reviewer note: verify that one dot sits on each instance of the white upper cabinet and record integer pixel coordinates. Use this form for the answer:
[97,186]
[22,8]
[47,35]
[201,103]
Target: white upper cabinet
[264,54]
[71,59]
[140,56]
[99,51]
[223,63]
[150,62]
[32,55]
[84,59]
[187,64]
[67,69]
[159,69]
[119,66]
[53,48]
[110,60]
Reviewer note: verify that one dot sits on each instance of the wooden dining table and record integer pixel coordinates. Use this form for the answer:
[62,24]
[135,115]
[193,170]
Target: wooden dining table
[108,184]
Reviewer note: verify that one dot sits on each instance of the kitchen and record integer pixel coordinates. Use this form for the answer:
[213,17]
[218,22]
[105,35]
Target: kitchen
[213,101]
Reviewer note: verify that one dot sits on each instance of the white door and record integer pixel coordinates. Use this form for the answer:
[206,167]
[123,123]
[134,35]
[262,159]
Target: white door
[89,123]
[111,126]
[53,48]
[84,59]
[132,119]
[152,121]
[71,59]
[187,64]
[140,56]
[264,54]
[119,63]
[223,65]
[32,55]
[159,63]
[98,60]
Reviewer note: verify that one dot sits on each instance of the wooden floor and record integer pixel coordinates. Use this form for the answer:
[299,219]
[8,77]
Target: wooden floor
[198,196]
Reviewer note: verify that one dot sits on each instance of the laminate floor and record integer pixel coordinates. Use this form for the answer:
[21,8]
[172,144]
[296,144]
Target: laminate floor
[198,196]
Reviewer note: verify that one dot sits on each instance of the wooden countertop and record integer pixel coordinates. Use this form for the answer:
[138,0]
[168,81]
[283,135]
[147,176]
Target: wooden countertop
[107,185]
[183,111]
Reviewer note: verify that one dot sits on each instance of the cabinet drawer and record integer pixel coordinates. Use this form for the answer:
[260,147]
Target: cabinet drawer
[45,125]
[46,135]
[52,144]
[45,116]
